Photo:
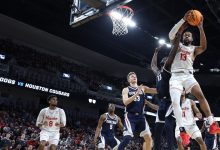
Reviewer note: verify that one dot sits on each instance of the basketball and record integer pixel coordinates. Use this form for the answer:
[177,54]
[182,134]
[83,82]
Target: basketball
[194,18]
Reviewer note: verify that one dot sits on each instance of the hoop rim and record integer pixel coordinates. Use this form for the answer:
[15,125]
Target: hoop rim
[122,6]
[125,7]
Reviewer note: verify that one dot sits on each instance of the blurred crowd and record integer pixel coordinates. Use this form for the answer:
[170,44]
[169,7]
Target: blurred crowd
[39,68]
[33,60]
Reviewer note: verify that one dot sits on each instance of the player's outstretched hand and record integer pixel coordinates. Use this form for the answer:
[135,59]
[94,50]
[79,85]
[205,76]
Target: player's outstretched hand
[187,14]
[200,25]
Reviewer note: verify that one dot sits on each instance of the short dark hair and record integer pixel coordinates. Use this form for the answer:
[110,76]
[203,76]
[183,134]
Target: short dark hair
[190,31]
[50,96]
[130,73]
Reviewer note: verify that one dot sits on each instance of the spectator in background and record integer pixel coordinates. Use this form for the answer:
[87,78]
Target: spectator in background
[6,142]
[22,142]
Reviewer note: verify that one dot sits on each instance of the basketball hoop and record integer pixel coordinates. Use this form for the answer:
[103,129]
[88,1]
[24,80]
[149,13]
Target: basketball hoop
[121,16]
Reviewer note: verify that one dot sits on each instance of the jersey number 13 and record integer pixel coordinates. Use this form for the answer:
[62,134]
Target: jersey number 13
[183,56]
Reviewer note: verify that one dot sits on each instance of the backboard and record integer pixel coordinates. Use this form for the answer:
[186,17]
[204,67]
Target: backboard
[83,11]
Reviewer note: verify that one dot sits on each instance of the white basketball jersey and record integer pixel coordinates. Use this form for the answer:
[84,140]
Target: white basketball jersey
[184,59]
[51,117]
[187,113]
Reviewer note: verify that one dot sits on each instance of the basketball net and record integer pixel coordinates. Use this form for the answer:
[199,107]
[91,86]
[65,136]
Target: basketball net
[121,16]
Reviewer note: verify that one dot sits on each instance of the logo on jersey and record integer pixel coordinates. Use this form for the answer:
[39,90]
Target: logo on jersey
[51,118]
[131,93]
[111,121]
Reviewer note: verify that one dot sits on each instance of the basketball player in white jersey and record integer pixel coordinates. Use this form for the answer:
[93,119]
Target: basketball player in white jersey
[182,73]
[50,120]
[188,109]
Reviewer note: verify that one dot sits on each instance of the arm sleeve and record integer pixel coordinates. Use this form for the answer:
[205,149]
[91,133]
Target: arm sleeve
[62,117]
[175,29]
[40,117]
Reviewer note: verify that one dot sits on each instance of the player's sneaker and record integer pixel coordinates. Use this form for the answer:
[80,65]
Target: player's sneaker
[185,139]
[213,129]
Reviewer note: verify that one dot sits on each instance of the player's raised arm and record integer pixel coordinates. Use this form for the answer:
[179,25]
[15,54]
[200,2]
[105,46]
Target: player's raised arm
[98,129]
[154,67]
[125,98]
[150,90]
[173,51]
[203,42]
[177,27]
[40,118]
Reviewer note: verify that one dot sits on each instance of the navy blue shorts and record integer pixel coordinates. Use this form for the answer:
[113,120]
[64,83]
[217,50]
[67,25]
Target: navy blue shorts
[163,107]
[210,141]
[135,123]
[109,140]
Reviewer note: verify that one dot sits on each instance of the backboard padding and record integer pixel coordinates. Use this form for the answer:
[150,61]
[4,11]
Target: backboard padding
[83,11]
